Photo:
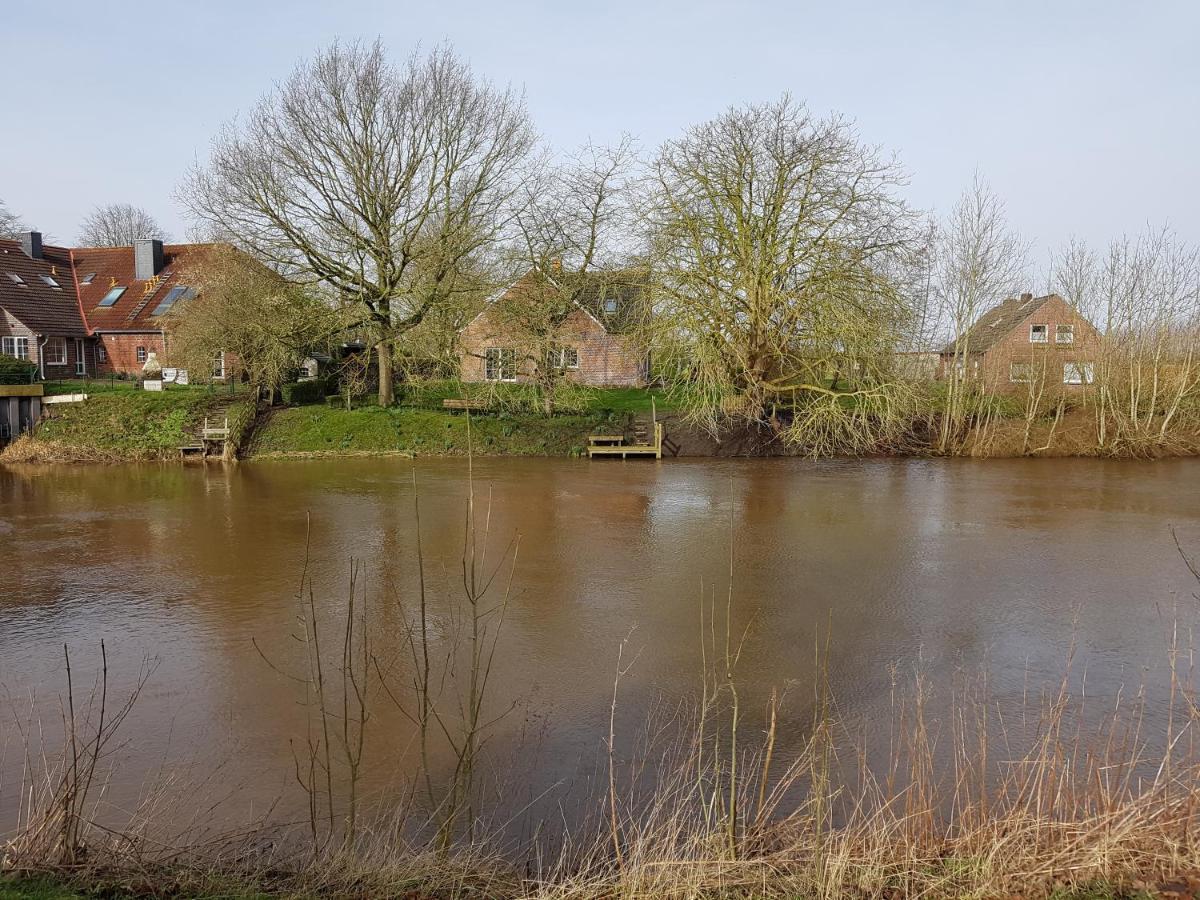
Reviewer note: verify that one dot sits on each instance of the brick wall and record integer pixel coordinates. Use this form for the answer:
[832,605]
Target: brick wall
[121,352]
[1050,357]
[74,347]
[605,360]
[995,366]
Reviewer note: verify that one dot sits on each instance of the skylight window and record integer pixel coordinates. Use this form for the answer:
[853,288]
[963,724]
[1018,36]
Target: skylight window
[87,279]
[112,296]
[50,281]
[16,279]
[178,292]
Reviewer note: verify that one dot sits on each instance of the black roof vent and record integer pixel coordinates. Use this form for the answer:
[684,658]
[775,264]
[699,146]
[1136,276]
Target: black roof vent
[31,244]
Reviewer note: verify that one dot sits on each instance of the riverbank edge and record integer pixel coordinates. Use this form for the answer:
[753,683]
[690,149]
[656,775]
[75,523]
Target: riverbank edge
[259,432]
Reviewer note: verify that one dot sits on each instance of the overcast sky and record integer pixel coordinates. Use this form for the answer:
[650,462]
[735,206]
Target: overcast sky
[1084,116]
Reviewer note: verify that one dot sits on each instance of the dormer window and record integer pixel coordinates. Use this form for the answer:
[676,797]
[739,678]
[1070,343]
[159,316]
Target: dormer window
[1064,334]
[1039,334]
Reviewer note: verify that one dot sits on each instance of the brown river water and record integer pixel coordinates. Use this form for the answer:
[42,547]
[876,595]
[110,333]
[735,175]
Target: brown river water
[946,564]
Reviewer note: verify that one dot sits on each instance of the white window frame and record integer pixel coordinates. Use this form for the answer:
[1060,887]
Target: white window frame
[218,372]
[564,358]
[1044,339]
[610,305]
[101,353]
[1078,373]
[80,358]
[52,344]
[494,368]
[1062,336]
[1012,372]
[141,355]
[15,345]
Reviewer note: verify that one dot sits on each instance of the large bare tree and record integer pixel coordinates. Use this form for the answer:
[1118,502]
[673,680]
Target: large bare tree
[10,222]
[118,225]
[776,233]
[373,180]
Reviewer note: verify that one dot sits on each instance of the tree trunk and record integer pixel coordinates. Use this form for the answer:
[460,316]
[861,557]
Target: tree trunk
[383,353]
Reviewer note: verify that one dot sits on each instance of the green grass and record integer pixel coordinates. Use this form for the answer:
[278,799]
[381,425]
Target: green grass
[35,889]
[126,423]
[421,432]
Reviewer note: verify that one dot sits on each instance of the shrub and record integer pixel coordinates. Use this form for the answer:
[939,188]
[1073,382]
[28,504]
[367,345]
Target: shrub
[300,393]
[16,371]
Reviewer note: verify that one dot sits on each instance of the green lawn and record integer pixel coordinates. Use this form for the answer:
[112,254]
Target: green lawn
[35,889]
[421,432]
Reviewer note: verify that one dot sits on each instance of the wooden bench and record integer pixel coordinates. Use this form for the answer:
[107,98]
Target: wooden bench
[605,440]
[473,405]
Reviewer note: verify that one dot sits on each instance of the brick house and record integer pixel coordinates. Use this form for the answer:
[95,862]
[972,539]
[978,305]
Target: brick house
[594,343]
[40,316]
[1025,339]
[92,311]
[124,293]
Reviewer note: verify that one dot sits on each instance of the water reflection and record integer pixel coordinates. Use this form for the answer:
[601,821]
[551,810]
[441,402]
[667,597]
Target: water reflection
[958,563]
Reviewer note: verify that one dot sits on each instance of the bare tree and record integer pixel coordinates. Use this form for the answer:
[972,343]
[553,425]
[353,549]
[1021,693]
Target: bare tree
[374,181]
[776,235]
[119,225]
[1143,295]
[574,247]
[978,261]
[10,223]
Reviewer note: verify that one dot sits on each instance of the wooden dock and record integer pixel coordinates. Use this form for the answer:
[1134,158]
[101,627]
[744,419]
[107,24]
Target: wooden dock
[211,443]
[609,445]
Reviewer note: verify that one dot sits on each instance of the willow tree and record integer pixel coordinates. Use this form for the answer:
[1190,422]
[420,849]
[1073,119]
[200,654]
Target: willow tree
[241,308]
[776,235]
[374,181]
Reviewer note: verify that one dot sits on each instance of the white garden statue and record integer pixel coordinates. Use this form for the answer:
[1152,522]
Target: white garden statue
[151,369]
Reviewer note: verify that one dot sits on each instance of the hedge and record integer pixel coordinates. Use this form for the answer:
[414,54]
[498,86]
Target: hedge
[299,393]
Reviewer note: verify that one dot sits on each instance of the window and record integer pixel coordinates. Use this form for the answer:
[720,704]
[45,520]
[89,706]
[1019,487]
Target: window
[1064,334]
[610,304]
[500,364]
[178,292]
[112,296]
[219,366]
[15,346]
[1020,373]
[87,279]
[1078,373]
[16,279]
[101,353]
[141,354]
[55,352]
[51,282]
[80,359]
[563,358]
[1039,334]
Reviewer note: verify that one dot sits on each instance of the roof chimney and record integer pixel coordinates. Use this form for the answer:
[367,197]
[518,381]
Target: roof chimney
[1025,298]
[31,244]
[147,259]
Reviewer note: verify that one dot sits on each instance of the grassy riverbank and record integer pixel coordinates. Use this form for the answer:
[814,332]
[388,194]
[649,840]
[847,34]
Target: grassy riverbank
[120,422]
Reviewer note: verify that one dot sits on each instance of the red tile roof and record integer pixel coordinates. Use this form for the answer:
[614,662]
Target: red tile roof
[35,303]
[113,267]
